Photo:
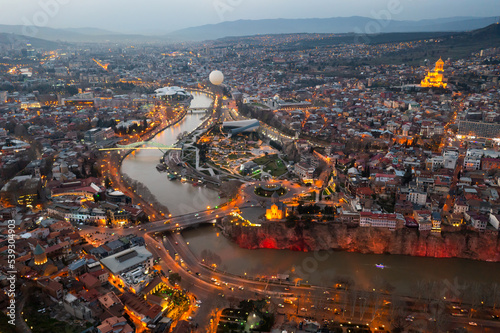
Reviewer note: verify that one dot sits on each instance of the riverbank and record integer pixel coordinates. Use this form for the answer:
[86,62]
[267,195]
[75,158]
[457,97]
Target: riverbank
[174,163]
[152,209]
[150,135]
[322,236]
[180,198]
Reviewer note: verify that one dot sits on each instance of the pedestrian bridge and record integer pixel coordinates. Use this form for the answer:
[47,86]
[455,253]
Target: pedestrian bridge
[143,145]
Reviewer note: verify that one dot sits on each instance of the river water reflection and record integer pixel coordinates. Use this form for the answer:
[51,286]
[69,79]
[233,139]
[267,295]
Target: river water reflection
[324,267]
[180,198]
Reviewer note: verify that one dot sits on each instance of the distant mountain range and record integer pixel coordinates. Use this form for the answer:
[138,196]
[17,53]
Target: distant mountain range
[355,24]
[76,35]
[13,39]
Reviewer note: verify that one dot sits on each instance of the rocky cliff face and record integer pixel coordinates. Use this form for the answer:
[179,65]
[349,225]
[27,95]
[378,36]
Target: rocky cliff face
[275,235]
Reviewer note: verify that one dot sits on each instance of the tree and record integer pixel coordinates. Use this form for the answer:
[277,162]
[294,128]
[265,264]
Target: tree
[291,220]
[97,197]
[173,278]
[366,172]
[72,90]
[210,258]
[107,182]
[20,131]
[231,188]
[408,176]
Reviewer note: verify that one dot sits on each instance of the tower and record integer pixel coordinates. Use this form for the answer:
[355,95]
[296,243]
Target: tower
[439,65]
[40,255]
[275,198]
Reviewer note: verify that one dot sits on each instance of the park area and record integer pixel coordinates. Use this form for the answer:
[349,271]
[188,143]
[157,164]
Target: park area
[272,164]
[175,301]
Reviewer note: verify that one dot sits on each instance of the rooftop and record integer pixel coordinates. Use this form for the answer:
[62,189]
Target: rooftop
[124,260]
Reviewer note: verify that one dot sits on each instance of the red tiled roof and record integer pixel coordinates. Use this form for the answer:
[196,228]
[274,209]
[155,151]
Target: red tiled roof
[89,280]
[364,191]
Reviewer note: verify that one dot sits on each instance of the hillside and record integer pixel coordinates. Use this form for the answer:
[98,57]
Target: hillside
[459,45]
[76,35]
[14,39]
[355,24]
[454,45]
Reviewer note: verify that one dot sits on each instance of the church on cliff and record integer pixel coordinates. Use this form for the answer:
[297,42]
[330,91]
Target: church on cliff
[276,210]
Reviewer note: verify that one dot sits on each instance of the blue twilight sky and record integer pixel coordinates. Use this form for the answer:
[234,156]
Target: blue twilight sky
[161,16]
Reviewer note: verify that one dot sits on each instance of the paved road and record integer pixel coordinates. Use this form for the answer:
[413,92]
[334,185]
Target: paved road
[21,325]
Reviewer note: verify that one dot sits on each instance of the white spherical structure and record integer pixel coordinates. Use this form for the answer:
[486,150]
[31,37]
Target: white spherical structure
[216,77]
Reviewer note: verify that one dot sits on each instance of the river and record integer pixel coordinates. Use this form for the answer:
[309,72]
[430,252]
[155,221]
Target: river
[322,268]
[180,198]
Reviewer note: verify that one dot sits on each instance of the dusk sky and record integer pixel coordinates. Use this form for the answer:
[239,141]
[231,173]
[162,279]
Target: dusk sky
[165,16]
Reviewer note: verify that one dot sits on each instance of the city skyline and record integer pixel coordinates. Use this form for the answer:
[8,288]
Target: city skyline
[124,17]
[273,175]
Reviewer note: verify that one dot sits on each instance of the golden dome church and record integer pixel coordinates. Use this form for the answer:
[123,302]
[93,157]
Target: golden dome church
[434,79]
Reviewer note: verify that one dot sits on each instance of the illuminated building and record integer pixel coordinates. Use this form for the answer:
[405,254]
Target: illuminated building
[22,190]
[79,103]
[241,126]
[276,210]
[27,199]
[436,222]
[153,287]
[98,134]
[249,168]
[140,310]
[30,105]
[40,255]
[305,172]
[127,260]
[172,93]
[119,217]
[434,79]
[131,80]
[478,129]
[129,268]
[391,221]
[49,100]
[81,100]
[30,52]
